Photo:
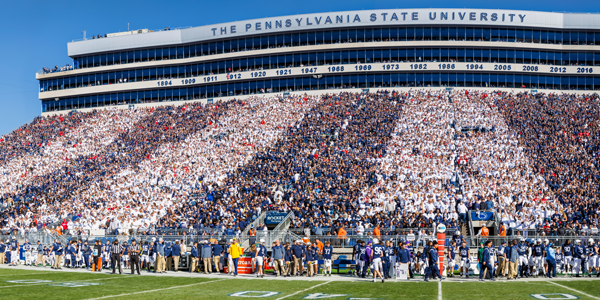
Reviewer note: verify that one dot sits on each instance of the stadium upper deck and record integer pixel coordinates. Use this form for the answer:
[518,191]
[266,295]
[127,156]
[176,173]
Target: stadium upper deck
[338,50]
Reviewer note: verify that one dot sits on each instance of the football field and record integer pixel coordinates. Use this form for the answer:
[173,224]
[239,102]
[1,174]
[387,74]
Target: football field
[36,283]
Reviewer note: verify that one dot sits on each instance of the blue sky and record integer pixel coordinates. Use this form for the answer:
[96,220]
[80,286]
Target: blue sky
[34,34]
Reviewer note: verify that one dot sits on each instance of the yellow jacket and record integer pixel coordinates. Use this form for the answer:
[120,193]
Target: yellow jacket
[235,250]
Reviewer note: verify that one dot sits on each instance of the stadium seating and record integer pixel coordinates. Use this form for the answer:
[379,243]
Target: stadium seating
[394,159]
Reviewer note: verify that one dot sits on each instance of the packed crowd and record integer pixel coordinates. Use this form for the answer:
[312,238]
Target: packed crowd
[559,133]
[345,161]
[57,69]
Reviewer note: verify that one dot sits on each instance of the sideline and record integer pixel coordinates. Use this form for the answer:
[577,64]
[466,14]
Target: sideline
[439,290]
[304,290]
[574,290]
[156,290]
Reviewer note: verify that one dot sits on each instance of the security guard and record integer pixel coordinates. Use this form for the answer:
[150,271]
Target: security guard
[115,254]
[134,253]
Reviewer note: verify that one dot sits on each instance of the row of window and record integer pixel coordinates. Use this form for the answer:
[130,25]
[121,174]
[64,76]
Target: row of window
[326,58]
[343,36]
[299,84]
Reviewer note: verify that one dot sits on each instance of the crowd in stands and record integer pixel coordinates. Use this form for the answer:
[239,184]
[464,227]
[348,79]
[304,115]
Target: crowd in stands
[57,69]
[341,162]
[560,134]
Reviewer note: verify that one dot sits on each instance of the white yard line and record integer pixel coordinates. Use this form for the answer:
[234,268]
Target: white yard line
[304,290]
[574,290]
[439,290]
[157,290]
[42,283]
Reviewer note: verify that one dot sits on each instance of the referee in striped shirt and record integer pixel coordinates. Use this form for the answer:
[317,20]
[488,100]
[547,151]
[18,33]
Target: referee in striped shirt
[134,254]
[115,254]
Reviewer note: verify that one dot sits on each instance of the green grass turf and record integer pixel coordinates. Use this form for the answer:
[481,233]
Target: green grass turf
[590,287]
[222,288]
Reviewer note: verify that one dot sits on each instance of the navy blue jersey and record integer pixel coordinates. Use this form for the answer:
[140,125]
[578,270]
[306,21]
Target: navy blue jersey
[451,252]
[522,248]
[314,253]
[327,252]
[590,250]
[361,252]
[458,239]
[433,256]
[390,251]
[568,250]
[145,249]
[262,251]
[558,256]
[538,250]
[378,251]
[14,245]
[464,252]
[46,251]
[356,249]
[424,254]
[579,251]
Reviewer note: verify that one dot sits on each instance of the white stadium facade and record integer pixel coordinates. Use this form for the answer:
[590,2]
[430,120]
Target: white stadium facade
[323,52]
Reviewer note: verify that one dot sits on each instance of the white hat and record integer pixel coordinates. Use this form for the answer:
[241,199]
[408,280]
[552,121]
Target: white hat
[231,240]
[591,240]
[262,240]
[375,241]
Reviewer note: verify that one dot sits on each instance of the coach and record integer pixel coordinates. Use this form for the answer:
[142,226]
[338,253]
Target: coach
[176,253]
[278,254]
[206,254]
[217,250]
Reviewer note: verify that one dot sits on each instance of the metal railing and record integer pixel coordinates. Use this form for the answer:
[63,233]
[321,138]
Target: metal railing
[285,236]
[245,237]
[369,231]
